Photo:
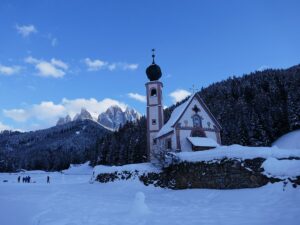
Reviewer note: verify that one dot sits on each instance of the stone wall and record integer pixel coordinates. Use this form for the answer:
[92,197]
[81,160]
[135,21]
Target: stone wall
[223,174]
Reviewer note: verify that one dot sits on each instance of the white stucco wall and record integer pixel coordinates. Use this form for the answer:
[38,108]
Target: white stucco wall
[153,114]
[185,144]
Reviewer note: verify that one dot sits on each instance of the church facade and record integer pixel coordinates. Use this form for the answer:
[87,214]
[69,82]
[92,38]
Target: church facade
[191,127]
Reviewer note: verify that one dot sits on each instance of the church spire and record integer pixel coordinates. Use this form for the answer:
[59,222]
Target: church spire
[153,71]
[153,55]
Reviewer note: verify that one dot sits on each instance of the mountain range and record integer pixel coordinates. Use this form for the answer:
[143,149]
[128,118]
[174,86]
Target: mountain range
[112,119]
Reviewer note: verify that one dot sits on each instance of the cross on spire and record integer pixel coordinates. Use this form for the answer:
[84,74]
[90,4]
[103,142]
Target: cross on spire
[153,55]
[193,89]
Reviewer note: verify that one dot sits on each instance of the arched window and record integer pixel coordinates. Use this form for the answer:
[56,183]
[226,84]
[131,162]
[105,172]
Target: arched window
[197,121]
[153,92]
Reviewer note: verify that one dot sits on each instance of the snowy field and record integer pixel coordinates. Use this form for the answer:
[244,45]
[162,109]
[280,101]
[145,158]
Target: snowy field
[70,199]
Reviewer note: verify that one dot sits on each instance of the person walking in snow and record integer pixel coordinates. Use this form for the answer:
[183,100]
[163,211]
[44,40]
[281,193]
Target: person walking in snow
[19,178]
[48,180]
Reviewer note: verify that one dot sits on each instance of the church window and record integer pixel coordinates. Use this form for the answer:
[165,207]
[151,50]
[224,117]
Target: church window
[154,122]
[169,143]
[186,123]
[197,121]
[154,141]
[153,92]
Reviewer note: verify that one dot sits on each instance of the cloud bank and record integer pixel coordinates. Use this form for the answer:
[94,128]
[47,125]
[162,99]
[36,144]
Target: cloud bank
[179,95]
[48,112]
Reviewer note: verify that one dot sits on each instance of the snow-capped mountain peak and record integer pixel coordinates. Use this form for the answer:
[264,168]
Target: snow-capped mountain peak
[63,120]
[112,118]
[83,115]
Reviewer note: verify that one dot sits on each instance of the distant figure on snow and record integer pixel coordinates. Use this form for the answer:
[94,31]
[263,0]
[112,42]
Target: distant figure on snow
[19,178]
[48,180]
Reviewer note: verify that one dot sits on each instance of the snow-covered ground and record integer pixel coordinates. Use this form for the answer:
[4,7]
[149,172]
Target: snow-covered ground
[70,199]
[289,141]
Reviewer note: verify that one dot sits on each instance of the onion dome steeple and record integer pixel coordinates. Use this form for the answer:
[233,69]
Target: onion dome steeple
[153,71]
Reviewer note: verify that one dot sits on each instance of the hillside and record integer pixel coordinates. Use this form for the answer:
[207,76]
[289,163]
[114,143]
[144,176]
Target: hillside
[258,108]
[49,149]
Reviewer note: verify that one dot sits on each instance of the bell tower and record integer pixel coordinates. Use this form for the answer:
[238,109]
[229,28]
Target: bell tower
[155,116]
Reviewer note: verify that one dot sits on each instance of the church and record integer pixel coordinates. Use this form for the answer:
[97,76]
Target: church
[191,127]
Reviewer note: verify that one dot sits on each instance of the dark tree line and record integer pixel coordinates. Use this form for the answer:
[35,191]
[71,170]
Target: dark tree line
[258,108]
[128,145]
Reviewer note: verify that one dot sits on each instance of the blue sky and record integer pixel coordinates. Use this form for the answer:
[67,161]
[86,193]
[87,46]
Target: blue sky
[57,56]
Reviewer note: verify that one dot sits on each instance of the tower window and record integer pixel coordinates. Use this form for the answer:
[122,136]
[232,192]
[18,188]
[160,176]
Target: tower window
[153,92]
[154,122]
[169,143]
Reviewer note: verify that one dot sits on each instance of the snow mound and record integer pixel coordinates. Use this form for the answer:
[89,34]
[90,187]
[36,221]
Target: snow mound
[239,152]
[281,168]
[80,169]
[289,140]
[139,207]
[141,167]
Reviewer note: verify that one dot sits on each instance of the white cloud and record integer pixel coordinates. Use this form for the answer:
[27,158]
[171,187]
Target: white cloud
[59,63]
[25,31]
[9,70]
[137,97]
[112,66]
[127,66]
[5,127]
[19,115]
[179,95]
[48,70]
[31,60]
[97,64]
[54,68]
[48,112]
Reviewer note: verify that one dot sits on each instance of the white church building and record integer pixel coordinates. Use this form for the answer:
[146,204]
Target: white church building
[191,127]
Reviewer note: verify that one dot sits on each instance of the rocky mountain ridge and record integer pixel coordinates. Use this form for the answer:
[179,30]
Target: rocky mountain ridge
[112,119]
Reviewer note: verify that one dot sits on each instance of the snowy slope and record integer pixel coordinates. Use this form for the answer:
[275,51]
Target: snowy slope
[289,141]
[71,200]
